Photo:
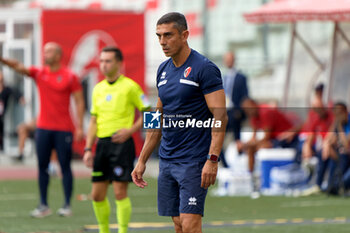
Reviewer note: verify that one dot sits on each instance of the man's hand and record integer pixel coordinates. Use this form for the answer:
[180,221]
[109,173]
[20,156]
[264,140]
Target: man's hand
[137,174]
[121,136]
[240,146]
[288,136]
[209,173]
[88,159]
[79,134]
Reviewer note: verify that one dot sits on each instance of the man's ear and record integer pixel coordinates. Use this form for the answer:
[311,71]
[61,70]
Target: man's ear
[185,34]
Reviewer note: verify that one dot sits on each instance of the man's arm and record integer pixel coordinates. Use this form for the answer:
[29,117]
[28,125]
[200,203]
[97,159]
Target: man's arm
[342,135]
[216,104]
[307,146]
[16,65]
[90,139]
[329,141]
[267,135]
[79,101]
[152,138]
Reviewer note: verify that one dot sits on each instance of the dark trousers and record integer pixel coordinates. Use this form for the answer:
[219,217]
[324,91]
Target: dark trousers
[1,132]
[339,165]
[346,179]
[235,119]
[61,141]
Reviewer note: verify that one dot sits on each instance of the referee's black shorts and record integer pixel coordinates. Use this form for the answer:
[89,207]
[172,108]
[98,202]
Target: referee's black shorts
[113,162]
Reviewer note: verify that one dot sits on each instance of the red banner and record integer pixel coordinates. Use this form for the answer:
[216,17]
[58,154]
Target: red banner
[83,33]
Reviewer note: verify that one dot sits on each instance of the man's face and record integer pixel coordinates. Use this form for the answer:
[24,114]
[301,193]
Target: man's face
[51,54]
[171,39]
[109,65]
[321,111]
[250,108]
[340,114]
[229,60]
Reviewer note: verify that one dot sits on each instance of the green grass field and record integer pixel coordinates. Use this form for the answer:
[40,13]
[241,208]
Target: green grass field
[315,214]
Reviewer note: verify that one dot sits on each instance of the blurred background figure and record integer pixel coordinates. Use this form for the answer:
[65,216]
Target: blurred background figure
[336,149]
[318,125]
[5,94]
[279,132]
[24,131]
[319,90]
[236,90]
[312,115]
[56,84]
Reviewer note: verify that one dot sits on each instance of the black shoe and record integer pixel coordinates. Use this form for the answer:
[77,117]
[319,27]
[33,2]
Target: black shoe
[19,158]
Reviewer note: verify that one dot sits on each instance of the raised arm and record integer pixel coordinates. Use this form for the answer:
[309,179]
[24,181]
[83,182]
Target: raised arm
[15,65]
[216,104]
[152,139]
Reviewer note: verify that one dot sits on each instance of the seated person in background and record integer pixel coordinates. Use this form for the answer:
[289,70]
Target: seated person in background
[305,130]
[336,148]
[318,127]
[24,130]
[279,131]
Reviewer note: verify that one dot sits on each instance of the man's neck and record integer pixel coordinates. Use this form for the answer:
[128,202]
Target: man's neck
[181,58]
[113,79]
[55,67]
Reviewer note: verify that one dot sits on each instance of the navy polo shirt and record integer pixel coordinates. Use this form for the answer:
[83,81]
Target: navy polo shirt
[181,90]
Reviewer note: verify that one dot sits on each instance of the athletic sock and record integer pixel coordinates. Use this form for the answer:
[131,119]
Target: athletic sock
[102,211]
[123,214]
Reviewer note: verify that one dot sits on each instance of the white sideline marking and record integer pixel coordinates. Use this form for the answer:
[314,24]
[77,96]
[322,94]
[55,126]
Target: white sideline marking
[312,203]
[16,197]
[141,210]
[8,215]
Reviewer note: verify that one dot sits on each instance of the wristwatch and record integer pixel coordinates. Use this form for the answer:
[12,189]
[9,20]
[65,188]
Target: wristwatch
[87,149]
[213,158]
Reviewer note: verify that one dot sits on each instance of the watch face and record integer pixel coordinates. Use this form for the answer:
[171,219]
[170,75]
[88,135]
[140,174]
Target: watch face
[213,158]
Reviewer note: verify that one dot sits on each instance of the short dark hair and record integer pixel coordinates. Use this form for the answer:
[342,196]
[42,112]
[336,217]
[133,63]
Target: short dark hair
[118,54]
[341,105]
[319,87]
[177,18]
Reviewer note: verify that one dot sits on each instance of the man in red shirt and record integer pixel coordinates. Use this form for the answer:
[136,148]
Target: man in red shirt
[55,127]
[317,127]
[278,130]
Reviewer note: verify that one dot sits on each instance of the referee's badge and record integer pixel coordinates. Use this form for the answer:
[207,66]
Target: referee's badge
[59,78]
[109,97]
[118,171]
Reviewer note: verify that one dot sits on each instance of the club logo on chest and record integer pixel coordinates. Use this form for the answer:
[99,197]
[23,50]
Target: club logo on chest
[187,71]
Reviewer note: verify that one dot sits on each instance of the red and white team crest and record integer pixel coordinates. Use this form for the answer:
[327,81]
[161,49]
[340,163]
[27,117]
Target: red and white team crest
[187,71]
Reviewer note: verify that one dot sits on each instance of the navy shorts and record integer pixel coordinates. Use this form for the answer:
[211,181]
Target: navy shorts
[179,188]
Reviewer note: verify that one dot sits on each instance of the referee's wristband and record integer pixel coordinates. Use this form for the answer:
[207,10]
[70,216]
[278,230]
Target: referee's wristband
[87,149]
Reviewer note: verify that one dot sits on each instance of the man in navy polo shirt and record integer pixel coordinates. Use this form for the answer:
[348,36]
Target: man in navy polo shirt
[192,102]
